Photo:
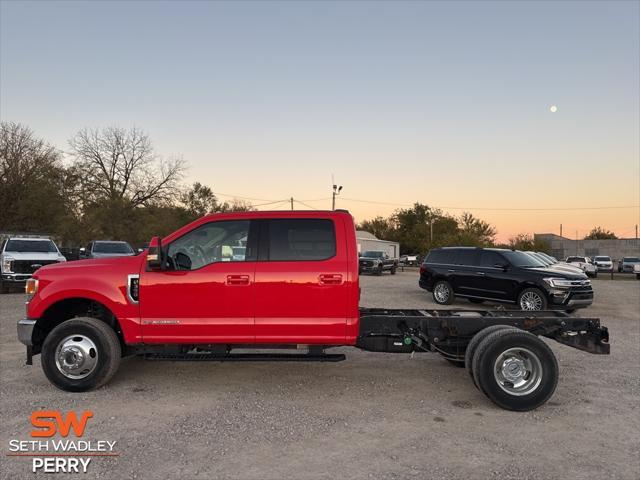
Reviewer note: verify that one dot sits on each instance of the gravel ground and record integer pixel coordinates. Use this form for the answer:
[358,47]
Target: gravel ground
[375,415]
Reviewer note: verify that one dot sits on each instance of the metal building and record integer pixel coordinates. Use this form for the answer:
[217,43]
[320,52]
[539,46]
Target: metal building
[368,241]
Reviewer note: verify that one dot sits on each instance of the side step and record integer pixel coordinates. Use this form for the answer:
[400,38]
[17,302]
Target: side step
[246,357]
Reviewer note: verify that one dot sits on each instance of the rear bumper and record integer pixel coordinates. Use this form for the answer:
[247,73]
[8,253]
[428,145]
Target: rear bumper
[25,331]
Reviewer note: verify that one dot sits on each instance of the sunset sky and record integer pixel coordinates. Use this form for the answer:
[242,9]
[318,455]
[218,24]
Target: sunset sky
[448,104]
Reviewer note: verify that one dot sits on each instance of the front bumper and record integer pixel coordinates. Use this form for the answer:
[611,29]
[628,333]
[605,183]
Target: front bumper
[16,277]
[25,331]
[571,298]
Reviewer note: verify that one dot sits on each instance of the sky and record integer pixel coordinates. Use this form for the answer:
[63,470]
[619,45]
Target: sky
[445,103]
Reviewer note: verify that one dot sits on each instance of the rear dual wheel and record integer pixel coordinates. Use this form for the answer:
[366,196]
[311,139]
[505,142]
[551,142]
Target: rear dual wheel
[514,368]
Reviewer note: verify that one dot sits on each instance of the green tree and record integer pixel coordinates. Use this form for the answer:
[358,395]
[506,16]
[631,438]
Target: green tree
[599,233]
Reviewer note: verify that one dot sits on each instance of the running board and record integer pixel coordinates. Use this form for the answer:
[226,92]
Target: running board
[246,357]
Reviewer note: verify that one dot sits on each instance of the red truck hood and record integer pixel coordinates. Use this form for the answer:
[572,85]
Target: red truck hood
[88,267]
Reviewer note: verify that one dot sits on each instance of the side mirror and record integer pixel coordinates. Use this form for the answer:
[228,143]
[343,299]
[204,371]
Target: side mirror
[154,255]
[502,266]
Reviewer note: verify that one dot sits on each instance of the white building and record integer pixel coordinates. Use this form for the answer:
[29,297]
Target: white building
[368,241]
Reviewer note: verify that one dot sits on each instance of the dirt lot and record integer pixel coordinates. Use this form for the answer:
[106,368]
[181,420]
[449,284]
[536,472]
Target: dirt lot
[372,416]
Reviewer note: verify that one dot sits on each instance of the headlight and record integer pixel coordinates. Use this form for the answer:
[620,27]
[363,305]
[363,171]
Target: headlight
[559,282]
[6,264]
[31,287]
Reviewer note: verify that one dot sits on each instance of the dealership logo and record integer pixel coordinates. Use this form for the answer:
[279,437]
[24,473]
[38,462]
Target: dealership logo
[71,453]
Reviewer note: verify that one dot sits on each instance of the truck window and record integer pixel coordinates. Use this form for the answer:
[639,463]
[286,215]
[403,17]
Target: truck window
[213,242]
[441,256]
[303,239]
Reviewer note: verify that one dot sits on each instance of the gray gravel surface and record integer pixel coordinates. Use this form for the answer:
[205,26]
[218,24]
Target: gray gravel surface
[382,416]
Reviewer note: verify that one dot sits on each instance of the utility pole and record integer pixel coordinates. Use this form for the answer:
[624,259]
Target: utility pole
[336,192]
[431,230]
[291,203]
[576,242]
[636,231]
[561,230]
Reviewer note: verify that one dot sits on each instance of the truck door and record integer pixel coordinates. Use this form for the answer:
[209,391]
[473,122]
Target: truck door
[301,281]
[206,293]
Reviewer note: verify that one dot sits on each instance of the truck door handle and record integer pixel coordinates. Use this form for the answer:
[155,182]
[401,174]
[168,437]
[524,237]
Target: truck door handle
[330,279]
[237,279]
[480,273]
[451,270]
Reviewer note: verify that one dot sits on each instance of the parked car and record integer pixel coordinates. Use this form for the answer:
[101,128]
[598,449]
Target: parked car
[296,290]
[106,248]
[501,275]
[585,264]
[549,260]
[409,259]
[371,261]
[20,257]
[604,263]
[627,264]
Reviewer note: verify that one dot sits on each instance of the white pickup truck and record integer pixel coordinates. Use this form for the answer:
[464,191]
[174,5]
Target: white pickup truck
[20,257]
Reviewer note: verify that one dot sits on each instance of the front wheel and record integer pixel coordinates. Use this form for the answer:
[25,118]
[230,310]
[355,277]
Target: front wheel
[379,270]
[515,369]
[393,270]
[443,293]
[81,354]
[532,299]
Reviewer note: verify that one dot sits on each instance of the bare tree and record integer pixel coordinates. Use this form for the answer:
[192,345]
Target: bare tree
[30,180]
[117,164]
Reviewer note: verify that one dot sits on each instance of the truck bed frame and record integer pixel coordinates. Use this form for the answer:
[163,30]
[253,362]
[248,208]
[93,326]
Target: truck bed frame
[449,331]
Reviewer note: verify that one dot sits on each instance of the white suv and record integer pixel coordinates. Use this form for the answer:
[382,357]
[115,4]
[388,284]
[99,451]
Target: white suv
[585,264]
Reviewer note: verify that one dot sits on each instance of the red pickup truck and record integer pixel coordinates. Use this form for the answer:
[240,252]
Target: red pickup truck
[229,285]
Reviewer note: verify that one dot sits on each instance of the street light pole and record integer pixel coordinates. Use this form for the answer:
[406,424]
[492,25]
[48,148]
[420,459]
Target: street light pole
[336,191]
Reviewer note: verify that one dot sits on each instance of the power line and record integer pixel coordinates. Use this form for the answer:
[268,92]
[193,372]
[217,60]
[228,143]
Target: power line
[491,208]
[302,203]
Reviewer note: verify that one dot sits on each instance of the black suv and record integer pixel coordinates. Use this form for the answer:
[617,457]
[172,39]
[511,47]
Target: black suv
[500,275]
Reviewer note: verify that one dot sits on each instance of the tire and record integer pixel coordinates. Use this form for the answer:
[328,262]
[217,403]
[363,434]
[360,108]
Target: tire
[534,369]
[475,300]
[3,288]
[393,270]
[595,275]
[532,299]
[379,270]
[475,341]
[96,336]
[443,293]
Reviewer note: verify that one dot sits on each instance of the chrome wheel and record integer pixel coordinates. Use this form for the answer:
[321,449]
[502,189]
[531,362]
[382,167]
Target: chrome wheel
[441,292]
[531,301]
[76,356]
[518,371]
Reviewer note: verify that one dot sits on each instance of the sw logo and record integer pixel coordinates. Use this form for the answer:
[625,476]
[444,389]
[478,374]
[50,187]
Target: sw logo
[48,422]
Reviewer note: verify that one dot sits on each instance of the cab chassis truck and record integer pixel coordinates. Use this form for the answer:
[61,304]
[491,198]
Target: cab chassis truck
[178,301]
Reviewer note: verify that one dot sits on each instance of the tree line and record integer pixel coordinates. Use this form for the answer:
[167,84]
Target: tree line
[110,184]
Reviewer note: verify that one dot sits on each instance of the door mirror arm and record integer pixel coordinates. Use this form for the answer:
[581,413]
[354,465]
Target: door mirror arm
[155,255]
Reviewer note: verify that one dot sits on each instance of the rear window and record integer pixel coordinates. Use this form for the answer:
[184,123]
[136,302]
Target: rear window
[38,246]
[631,259]
[440,256]
[301,239]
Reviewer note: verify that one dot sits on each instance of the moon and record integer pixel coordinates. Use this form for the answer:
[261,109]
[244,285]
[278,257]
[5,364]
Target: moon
[553,109]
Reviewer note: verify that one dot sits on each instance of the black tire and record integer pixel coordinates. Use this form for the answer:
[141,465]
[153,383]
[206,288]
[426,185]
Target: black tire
[3,288]
[595,275]
[108,353]
[379,270]
[445,299]
[538,387]
[393,270]
[476,300]
[531,293]
[475,341]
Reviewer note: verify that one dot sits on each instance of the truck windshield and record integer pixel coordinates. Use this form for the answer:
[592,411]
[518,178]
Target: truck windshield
[602,259]
[38,246]
[372,254]
[112,247]
[521,259]
[631,259]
